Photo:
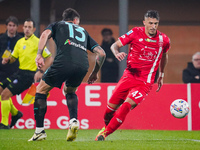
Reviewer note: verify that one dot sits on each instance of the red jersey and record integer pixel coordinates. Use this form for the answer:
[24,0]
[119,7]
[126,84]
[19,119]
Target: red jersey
[145,53]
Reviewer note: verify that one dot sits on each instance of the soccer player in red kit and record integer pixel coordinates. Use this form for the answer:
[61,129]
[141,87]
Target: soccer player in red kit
[148,51]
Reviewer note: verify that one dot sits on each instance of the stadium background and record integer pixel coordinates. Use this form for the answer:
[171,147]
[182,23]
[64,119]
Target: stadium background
[179,20]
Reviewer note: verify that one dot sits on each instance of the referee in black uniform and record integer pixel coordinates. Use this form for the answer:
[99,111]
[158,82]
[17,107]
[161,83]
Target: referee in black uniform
[7,42]
[70,66]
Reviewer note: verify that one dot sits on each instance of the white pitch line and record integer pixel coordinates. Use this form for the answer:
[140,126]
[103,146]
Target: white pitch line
[109,139]
[166,140]
[193,140]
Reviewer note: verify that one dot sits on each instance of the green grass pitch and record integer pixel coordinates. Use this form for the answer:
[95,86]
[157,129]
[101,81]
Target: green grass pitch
[16,139]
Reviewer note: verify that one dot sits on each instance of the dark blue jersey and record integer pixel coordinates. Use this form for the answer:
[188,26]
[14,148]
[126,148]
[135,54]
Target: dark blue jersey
[8,43]
[72,43]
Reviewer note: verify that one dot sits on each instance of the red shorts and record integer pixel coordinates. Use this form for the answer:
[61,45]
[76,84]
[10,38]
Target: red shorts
[128,86]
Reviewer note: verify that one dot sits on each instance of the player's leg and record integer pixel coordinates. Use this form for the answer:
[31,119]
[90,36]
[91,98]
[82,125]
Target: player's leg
[13,111]
[52,78]
[16,114]
[72,101]
[40,108]
[108,115]
[135,96]
[119,95]
[110,112]
[17,83]
[5,108]
[73,81]
[117,119]
[120,116]
[72,104]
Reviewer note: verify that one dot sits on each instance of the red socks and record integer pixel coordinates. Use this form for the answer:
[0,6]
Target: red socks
[110,112]
[118,118]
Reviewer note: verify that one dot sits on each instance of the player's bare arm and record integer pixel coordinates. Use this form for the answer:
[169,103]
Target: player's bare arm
[101,55]
[42,42]
[9,60]
[115,50]
[163,63]
[41,71]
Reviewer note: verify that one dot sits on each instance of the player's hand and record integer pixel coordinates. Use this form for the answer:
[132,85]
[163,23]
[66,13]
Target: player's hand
[120,56]
[5,60]
[38,76]
[39,61]
[160,83]
[92,78]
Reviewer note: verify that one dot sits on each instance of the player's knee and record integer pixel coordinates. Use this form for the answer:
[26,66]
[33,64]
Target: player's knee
[69,90]
[40,100]
[132,102]
[43,88]
[6,94]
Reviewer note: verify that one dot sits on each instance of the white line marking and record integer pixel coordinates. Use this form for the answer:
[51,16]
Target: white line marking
[91,140]
[189,99]
[194,140]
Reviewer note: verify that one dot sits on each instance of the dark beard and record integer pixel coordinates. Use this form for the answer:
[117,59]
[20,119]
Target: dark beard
[152,35]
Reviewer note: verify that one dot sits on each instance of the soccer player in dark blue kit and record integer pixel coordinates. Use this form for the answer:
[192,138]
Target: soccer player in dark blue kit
[70,66]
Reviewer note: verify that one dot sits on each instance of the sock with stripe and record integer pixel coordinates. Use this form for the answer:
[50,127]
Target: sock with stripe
[118,119]
[108,115]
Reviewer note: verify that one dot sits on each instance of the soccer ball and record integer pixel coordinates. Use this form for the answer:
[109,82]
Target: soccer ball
[179,108]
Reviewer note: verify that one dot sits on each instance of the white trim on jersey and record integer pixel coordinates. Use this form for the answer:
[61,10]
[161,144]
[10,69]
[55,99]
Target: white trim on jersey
[120,41]
[155,62]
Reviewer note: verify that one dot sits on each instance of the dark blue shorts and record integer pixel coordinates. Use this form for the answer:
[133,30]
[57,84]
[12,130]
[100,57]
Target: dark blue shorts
[19,81]
[71,74]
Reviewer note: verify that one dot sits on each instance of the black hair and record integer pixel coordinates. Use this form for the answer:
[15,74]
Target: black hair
[12,19]
[152,14]
[106,30]
[70,14]
[29,19]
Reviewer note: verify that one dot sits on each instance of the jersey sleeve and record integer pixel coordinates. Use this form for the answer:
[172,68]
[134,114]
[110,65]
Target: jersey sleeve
[46,53]
[128,37]
[166,45]
[52,28]
[15,52]
[91,43]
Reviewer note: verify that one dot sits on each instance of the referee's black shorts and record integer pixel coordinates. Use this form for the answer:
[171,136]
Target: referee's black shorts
[71,74]
[19,81]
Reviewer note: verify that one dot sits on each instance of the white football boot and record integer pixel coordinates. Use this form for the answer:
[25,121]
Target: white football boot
[38,136]
[73,129]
